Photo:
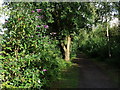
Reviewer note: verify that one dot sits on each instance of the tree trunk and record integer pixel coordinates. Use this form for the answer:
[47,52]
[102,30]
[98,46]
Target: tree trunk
[108,40]
[67,48]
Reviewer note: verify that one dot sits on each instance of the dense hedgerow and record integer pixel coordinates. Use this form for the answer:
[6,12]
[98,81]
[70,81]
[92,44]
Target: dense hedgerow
[30,58]
[32,70]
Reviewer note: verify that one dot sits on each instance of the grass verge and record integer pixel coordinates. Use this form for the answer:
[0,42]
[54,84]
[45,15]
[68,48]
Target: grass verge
[69,78]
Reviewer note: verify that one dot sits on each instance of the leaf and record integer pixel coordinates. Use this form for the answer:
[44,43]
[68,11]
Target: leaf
[42,72]
[2,71]
[8,48]
[2,52]
[1,57]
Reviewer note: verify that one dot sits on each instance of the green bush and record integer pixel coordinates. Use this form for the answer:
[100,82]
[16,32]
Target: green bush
[30,58]
[32,70]
[93,43]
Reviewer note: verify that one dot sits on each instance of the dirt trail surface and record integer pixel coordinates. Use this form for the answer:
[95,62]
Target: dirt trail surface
[91,76]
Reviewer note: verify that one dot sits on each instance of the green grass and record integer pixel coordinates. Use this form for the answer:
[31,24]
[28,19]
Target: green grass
[69,78]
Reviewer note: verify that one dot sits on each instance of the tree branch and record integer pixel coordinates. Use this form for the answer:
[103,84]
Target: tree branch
[63,46]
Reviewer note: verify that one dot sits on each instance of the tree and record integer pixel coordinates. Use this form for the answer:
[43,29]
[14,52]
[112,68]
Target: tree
[105,11]
[66,19]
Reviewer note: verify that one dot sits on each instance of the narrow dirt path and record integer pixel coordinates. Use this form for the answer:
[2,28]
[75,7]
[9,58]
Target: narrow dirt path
[91,76]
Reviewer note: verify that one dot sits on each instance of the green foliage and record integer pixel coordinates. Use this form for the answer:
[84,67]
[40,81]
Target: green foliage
[30,58]
[31,55]
[114,41]
[94,43]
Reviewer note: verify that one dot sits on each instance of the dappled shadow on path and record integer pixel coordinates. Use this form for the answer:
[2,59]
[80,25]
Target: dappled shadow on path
[91,76]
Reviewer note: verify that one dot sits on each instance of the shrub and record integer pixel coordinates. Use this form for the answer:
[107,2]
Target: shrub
[30,59]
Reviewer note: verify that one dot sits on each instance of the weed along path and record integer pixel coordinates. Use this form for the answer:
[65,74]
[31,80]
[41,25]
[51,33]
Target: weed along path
[91,76]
